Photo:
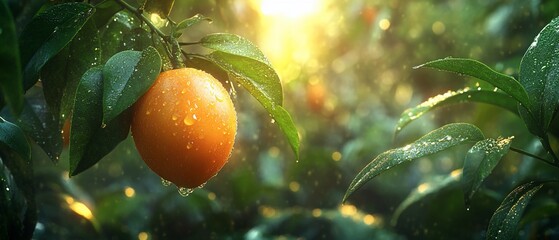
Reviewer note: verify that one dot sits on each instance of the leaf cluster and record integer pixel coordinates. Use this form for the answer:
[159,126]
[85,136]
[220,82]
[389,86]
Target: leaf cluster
[534,97]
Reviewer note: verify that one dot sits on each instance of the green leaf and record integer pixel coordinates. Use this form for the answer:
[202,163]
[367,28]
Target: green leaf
[41,124]
[234,45]
[104,12]
[482,72]
[127,76]
[47,34]
[10,65]
[504,222]
[437,140]
[263,83]
[160,7]
[13,137]
[112,37]
[17,198]
[186,23]
[480,161]
[427,189]
[539,74]
[61,75]
[136,39]
[453,97]
[90,140]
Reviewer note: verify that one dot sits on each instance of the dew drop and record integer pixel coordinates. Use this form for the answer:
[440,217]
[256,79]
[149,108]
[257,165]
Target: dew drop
[185,191]
[175,117]
[148,112]
[165,183]
[189,120]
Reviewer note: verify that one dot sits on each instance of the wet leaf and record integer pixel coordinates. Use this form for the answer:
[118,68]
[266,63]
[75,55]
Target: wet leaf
[539,74]
[10,66]
[480,161]
[437,140]
[47,34]
[263,83]
[136,39]
[13,137]
[61,75]
[453,97]
[112,36]
[17,198]
[426,189]
[234,45]
[127,76]
[186,23]
[482,72]
[105,11]
[90,140]
[504,222]
[39,123]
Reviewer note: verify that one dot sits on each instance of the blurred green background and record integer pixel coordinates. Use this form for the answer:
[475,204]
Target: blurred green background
[346,68]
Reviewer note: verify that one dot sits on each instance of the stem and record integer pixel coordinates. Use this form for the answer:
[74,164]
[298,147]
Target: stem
[533,156]
[188,43]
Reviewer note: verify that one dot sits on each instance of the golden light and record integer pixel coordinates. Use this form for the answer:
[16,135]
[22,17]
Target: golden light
[422,187]
[348,210]
[336,156]
[294,186]
[384,24]
[157,20]
[292,9]
[316,212]
[129,192]
[369,219]
[143,236]
[82,210]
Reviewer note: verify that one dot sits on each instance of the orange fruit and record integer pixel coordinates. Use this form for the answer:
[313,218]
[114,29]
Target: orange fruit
[316,96]
[184,126]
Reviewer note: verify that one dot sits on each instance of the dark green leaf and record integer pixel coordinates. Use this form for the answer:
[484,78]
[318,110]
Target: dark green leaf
[136,39]
[10,65]
[426,189]
[262,83]
[90,140]
[437,140]
[105,11]
[113,35]
[480,161]
[47,34]
[539,74]
[186,23]
[504,222]
[482,72]
[17,199]
[453,97]
[13,137]
[234,45]
[127,76]
[61,75]
[39,123]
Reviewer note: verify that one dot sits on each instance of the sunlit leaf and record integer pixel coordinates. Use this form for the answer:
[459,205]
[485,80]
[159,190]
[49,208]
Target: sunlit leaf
[437,140]
[90,140]
[47,34]
[482,72]
[127,76]
[61,75]
[235,45]
[426,189]
[191,21]
[263,83]
[539,74]
[453,97]
[504,222]
[13,137]
[10,66]
[480,161]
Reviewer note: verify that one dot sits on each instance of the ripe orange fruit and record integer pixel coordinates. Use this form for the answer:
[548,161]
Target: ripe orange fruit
[184,126]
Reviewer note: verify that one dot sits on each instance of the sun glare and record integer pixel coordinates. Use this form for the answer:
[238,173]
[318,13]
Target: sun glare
[288,8]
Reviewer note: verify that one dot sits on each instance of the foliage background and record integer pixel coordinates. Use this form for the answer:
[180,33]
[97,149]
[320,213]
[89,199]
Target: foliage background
[346,80]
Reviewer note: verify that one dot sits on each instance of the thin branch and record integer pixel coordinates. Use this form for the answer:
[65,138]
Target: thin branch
[532,156]
[138,14]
